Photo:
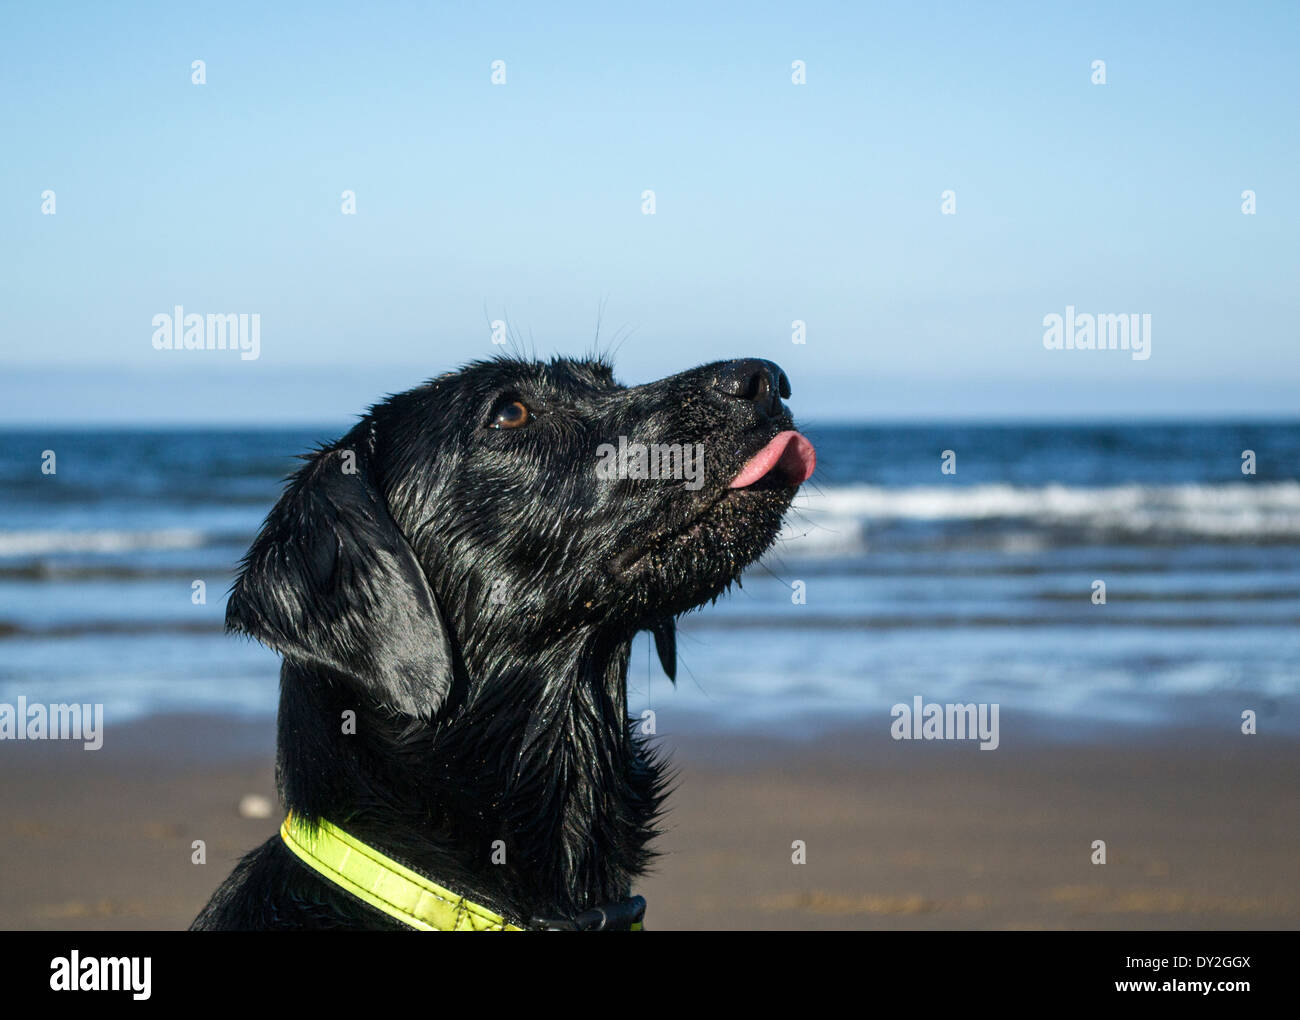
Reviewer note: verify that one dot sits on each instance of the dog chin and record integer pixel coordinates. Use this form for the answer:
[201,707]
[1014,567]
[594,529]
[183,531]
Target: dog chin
[683,569]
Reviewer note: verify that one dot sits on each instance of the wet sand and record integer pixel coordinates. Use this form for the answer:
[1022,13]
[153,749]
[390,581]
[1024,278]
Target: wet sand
[1202,830]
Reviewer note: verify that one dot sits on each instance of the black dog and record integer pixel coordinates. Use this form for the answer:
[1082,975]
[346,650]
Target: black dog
[465,573]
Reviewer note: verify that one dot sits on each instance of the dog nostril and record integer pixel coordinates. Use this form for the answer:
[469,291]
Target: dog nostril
[753,380]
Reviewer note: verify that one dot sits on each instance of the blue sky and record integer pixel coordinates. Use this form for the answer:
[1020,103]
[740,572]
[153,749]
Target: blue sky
[774,202]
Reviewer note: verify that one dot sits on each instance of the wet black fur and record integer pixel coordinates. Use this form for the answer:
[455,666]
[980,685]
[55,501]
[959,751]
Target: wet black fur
[471,594]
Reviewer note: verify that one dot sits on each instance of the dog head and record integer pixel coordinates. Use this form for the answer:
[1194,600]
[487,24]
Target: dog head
[516,503]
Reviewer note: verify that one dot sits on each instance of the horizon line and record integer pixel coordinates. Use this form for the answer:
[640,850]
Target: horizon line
[1235,418]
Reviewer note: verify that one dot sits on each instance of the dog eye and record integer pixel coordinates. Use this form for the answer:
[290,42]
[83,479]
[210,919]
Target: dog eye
[511,415]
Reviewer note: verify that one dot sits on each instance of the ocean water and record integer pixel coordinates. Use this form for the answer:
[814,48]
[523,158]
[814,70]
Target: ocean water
[891,579]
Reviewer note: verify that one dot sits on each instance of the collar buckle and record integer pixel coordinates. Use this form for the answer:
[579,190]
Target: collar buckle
[627,914]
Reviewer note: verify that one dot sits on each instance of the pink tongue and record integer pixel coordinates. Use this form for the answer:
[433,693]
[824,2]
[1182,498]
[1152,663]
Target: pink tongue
[789,452]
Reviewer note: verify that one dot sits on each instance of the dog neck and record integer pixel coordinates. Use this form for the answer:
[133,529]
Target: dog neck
[529,792]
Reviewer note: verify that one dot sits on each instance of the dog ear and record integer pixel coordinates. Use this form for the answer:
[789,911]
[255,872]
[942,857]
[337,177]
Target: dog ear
[665,632]
[331,581]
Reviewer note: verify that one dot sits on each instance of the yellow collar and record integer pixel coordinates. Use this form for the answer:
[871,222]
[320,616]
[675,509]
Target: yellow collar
[383,883]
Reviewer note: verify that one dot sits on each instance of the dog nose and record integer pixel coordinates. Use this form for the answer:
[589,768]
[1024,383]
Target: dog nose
[760,382]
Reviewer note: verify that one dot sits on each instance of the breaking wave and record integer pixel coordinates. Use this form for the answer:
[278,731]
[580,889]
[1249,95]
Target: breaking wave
[839,519]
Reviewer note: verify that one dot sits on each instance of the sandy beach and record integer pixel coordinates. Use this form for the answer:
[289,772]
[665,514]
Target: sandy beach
[1200,831]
